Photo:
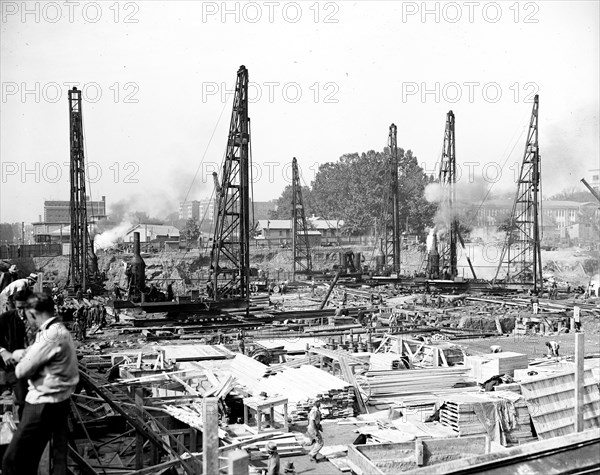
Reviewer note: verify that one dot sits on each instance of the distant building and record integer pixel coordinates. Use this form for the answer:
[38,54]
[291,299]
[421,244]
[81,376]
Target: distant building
[199,210]
[279,231]
[189,210]
[59,212]
[152,233]
[57,218]
[559,213]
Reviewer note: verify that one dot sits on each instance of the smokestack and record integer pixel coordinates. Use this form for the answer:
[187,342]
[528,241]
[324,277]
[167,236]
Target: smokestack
[138,271]
[433,259]
[136,245]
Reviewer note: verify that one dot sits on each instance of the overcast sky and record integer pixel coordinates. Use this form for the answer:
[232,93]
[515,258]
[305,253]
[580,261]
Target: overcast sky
[327,78]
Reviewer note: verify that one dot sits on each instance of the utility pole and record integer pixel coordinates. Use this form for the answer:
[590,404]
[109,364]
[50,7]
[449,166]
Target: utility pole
[78,205]
[522,244]
[300,244]
[447,179]
[230,255]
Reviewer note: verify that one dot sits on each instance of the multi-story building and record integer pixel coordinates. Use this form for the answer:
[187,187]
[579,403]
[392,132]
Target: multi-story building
[189,210]
[57,217]
[558,212]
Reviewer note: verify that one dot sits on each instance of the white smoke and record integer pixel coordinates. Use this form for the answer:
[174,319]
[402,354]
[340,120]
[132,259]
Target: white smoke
[434,192]
[430,238]
[112,236]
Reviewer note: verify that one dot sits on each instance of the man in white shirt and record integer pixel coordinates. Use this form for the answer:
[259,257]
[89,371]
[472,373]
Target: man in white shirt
[314,431]
[50,366]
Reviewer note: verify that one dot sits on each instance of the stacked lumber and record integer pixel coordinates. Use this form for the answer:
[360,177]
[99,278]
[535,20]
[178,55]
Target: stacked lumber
[521,433]
[393,383]
[384,361]
[287,444]
[459,414]
[494,364]
[304,386]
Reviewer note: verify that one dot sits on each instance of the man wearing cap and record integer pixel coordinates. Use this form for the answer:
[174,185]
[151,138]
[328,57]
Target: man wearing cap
[50,366]
[273,460]
[16,286]
[15,334]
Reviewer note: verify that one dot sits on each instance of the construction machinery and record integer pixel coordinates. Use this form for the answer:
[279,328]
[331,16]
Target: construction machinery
[83,263]
[393,227]
[447,179]
[230,255]
[300,244]
[591,189]
[521,253]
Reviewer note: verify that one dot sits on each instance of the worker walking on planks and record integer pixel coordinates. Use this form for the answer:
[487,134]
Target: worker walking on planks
[315,430]
[274,460]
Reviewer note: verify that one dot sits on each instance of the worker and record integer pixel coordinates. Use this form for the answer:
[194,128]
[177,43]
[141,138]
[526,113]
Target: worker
[241,344]
[553,348]
[495,349]
[315,430]
[15,334]
[18,285]
[273,461]
[50,366]
[79,295]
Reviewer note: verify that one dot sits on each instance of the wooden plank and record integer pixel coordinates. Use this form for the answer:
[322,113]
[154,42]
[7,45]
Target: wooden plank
[210,435]
[551,403]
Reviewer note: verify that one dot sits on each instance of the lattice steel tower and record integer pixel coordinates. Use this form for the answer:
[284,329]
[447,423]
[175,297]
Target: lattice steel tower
[79,272]
[393,244]
[230,255]
[447,179]
[300,245]
[521,252]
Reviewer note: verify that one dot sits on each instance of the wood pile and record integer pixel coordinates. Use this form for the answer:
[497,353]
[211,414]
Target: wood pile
[521,433]
[510,416]
[385,362]
[495,364]
[307,384]
[394,383]
[287,444]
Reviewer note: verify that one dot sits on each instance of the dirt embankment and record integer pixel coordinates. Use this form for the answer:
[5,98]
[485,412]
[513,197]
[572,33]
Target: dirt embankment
[188,270]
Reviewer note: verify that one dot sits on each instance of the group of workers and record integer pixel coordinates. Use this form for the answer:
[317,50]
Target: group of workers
[38,356]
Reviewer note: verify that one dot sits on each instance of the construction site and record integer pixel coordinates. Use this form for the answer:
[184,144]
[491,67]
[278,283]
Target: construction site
[412,367]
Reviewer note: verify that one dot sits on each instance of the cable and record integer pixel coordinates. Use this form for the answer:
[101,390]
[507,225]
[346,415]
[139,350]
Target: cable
[206,150]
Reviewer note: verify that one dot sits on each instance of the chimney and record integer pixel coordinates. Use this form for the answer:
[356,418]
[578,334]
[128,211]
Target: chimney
[136,244]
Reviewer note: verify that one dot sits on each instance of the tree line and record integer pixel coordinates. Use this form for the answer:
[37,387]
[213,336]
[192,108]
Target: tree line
[357,189]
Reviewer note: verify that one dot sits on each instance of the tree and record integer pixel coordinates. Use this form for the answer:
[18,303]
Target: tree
[192,230]
[7,234]
[284,203]
[357,190]
[574,194]
[414,208]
